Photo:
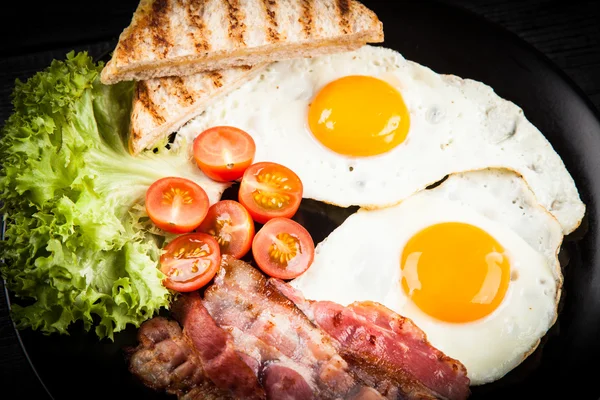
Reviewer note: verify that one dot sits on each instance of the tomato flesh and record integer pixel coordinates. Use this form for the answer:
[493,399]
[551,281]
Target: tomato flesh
[190,261]
[223,153]
[176,205]
[269,190]
[283,248]
[231,225]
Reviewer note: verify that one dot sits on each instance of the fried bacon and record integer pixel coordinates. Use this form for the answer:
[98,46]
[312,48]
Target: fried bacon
[385,350]
[256,338]
[242,297]
[214,348]
[165,360]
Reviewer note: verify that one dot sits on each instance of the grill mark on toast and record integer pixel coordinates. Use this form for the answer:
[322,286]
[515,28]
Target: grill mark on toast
[217,79]
[306,18]
[128,46]
[343,8]
[142,93]
[195,14]
[180,91]
[270,7]
[133,35]
[236,17]
[159,24]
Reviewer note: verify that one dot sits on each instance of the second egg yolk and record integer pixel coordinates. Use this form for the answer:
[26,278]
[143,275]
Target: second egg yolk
[359,116]
[455,272]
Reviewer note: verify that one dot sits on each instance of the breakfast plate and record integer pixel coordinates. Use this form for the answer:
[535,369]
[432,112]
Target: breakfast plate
[449,41]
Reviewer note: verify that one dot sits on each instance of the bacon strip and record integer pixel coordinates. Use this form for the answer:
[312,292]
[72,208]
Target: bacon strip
[260,355]
[164,360]
[241,297]
[385,349]
[214,347]
[258,338]
[447,377]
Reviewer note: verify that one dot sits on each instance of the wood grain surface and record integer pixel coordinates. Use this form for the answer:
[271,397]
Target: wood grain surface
[567,32]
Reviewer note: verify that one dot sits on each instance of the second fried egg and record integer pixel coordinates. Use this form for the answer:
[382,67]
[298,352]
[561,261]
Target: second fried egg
[473,262]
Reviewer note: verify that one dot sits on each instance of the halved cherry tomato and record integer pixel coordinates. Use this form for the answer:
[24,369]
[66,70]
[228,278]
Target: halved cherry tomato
[190,261]
[176,205]
[283,248]
[223,153]
[231,225]
[269,190]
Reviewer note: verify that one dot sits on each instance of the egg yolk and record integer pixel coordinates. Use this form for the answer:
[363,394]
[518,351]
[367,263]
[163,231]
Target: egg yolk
[455,272]
[359,116]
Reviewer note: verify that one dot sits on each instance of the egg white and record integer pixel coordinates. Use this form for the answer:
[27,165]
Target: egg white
[360,261]
[456,125]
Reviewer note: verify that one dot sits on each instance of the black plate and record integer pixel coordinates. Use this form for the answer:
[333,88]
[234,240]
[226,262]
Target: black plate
[448,40]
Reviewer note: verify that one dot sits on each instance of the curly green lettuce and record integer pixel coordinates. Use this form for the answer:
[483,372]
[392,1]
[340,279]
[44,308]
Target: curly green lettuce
[78,243]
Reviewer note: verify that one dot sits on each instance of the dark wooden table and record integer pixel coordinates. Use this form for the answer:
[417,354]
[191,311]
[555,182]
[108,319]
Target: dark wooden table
[567,32]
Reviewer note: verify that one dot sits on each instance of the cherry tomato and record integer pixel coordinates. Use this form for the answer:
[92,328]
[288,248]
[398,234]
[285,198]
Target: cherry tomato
[231,225]
[176,205]
[283,248]
[190,261]
[270,190]
[223,153]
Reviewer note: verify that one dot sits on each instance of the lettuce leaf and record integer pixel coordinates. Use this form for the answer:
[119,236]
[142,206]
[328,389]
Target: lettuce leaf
[79,245]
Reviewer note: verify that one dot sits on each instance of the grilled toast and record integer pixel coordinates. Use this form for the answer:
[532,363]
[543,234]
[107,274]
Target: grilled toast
[185,37]
[163,105]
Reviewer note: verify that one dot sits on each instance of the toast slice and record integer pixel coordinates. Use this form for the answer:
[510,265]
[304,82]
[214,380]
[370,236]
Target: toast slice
[163,105]
[184,37]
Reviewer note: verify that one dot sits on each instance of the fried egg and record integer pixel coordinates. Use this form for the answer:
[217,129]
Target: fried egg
[369,128]
[473,262]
